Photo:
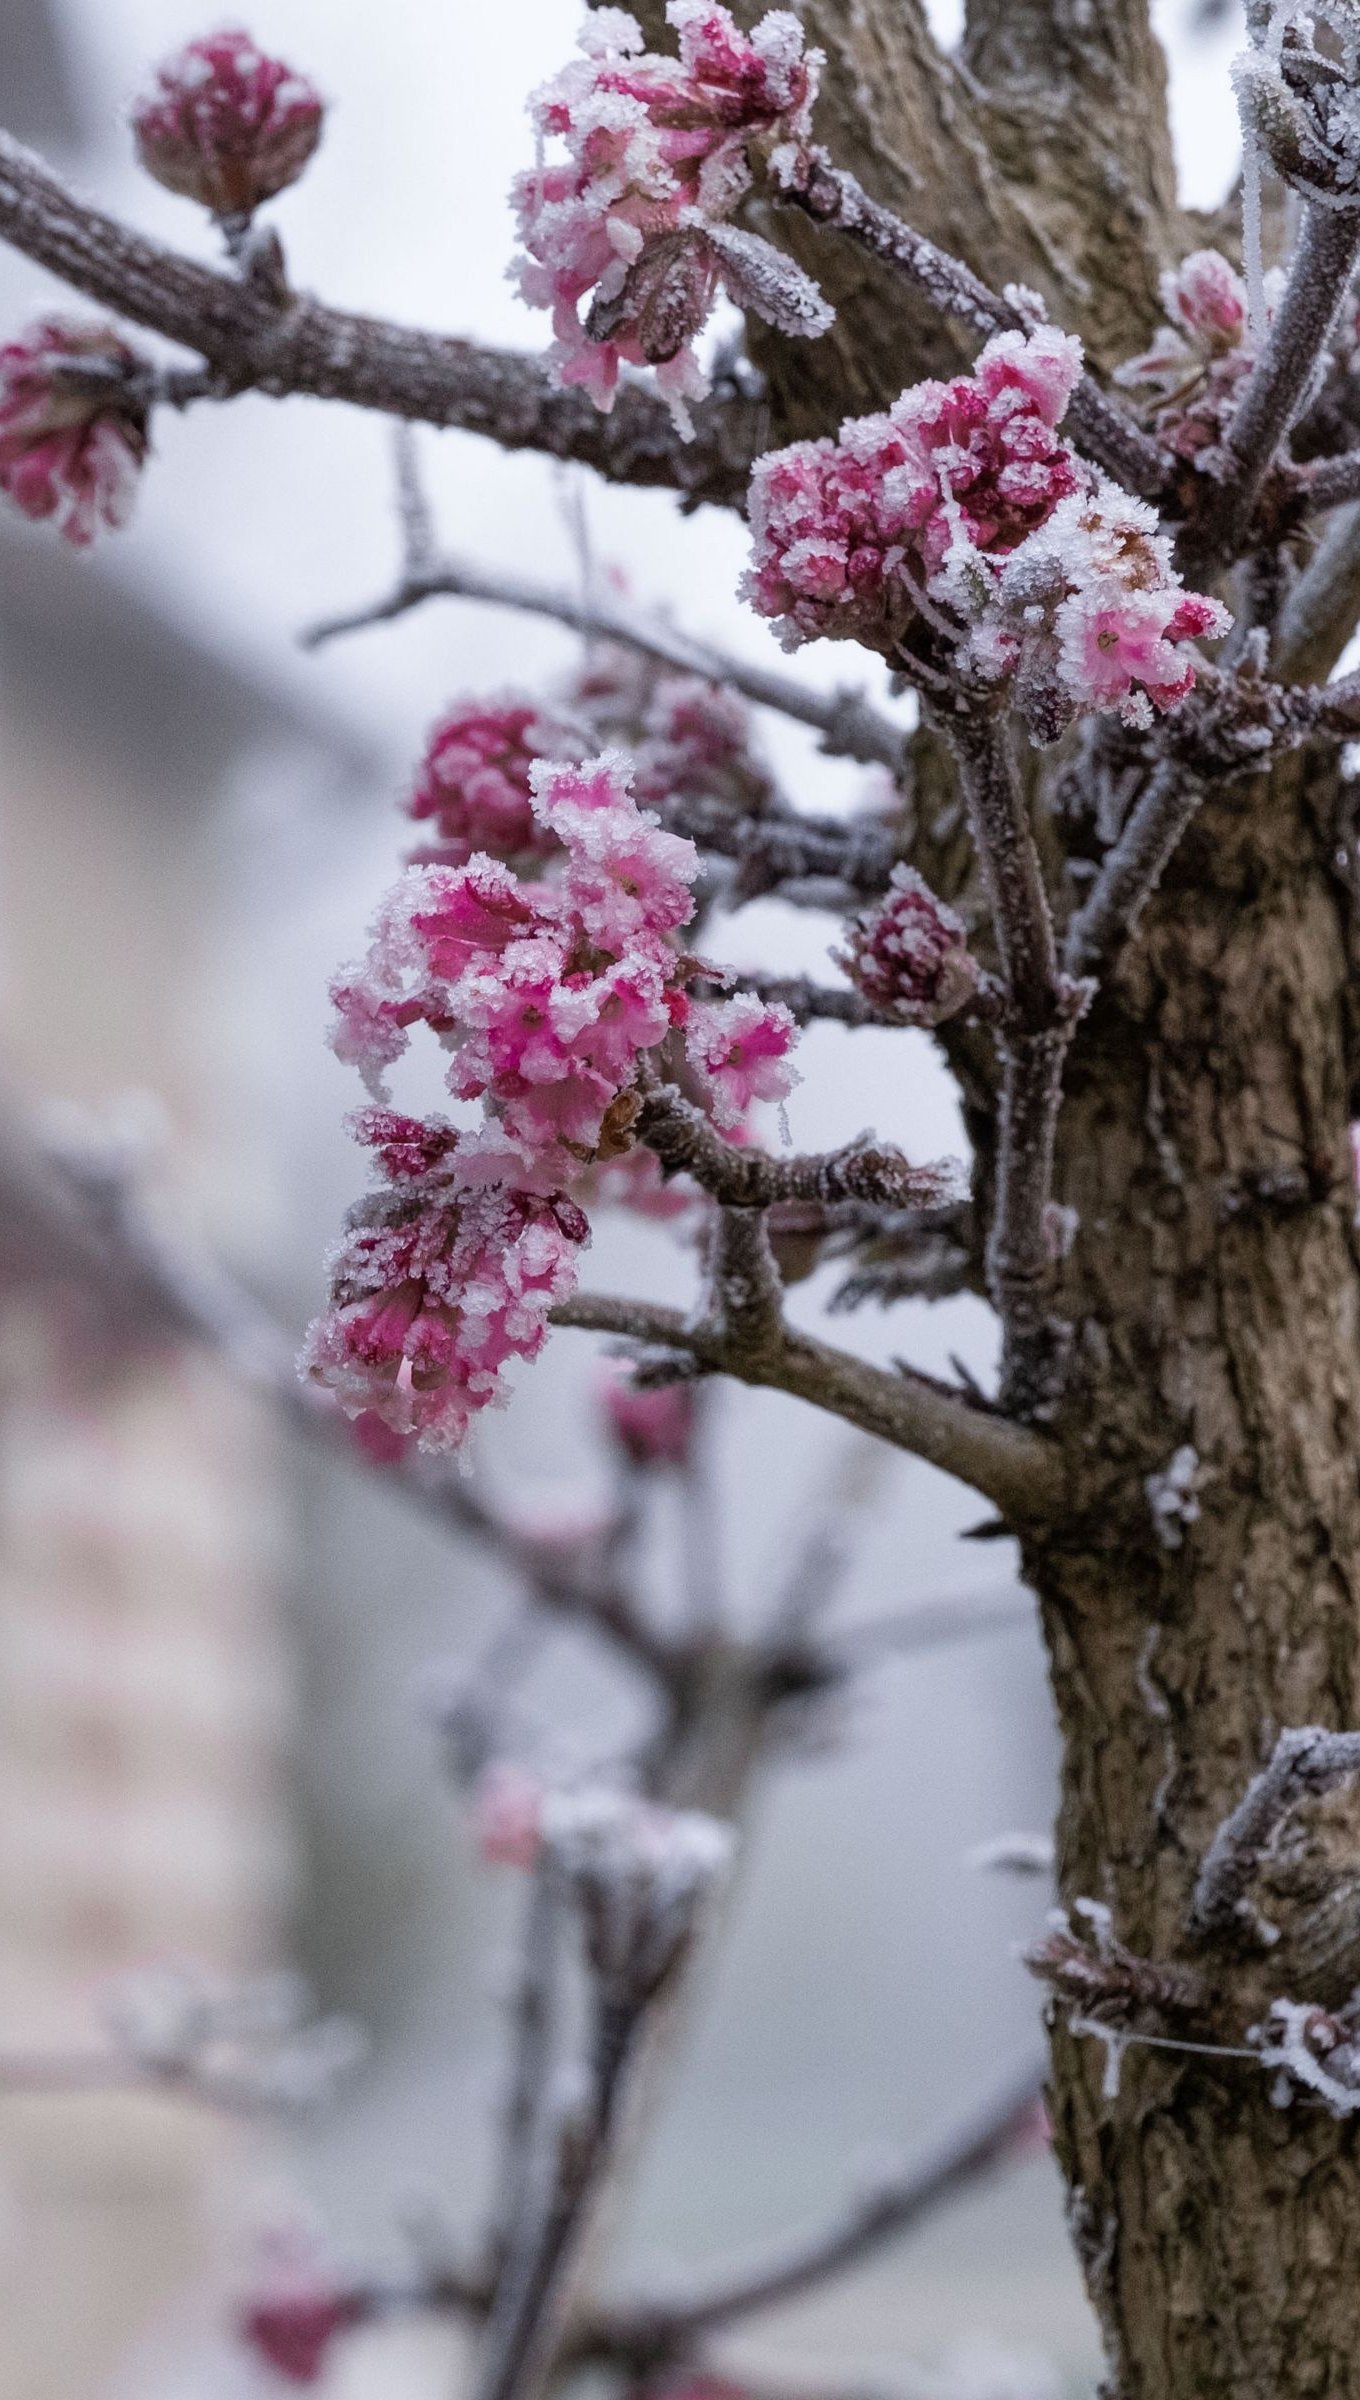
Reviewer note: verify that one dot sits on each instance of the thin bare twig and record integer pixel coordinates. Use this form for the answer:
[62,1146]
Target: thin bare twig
[533,2016]
[874,2218]
[849,725]
[71,1215]
[253,342]
[686,1143]
[1306,1760]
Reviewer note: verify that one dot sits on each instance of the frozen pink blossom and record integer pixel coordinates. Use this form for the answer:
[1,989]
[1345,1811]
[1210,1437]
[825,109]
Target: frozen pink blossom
[652,1428]
[738,1051]
[849,534]
[1196,363]
[1098,616]
[71,450]
[507,1815]
[473,791]
[634,218]
[908,954]
[548,996]
[438,1282]
[226,125]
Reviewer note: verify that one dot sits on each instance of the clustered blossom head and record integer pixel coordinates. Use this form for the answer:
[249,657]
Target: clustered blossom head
[226,125]
[473,789]
[963,512]
[440,1279]
[548,995]
[71,450]
[1196,363]
[636,216]
[908,954]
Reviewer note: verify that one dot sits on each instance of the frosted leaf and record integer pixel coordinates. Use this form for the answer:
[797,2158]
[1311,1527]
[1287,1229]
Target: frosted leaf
[760,277]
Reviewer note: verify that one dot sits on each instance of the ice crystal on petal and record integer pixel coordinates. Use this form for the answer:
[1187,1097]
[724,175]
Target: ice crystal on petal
[739,1050]
[226,125]
[70,451]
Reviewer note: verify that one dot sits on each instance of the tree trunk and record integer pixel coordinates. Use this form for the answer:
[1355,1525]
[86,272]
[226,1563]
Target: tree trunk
[1213,1291]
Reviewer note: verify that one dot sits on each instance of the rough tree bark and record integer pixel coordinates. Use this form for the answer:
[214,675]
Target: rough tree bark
[1212,1287]
[1220,2236]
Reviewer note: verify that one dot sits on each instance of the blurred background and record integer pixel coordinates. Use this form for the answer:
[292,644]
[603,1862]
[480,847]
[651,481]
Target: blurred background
[213,1641]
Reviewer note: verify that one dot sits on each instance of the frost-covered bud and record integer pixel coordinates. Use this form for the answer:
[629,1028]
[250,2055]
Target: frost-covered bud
[226,125]
[651,1426]
[507,1815]
[909,956]
[472,791]
[1302,109]
[72,430]
[641,1875]
[294,2332]
[1196,363]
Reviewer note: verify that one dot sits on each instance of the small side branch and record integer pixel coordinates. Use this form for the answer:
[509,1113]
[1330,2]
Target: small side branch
[1307,1760]
[849,725]
[1038,1015]
[1132,869]
[885,2213]
[686,1143]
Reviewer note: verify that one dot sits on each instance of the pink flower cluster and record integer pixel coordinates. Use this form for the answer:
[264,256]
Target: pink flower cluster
[70,450]
[849,533]
[439,1281]
[548,995]
[962,515]
[226,125]
[636,216]
[909,956]
[1196,363]
[687,739]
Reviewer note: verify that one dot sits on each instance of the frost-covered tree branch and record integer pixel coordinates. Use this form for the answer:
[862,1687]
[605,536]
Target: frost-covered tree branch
[1306,1761]
[254,341]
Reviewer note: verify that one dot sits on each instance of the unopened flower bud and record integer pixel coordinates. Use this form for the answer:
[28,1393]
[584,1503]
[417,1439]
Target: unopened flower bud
[908,954]
[226,125]
[652,1427]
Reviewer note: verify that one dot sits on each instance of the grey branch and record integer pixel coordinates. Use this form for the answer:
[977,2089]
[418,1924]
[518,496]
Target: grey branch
[686,1143]
[533,2014]
[252,342]
[831,196]
[1014,1467]
[1327,482]
[881,2215]
[849,725]
[1306,1760]
[1038,1015]
[1132,868]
